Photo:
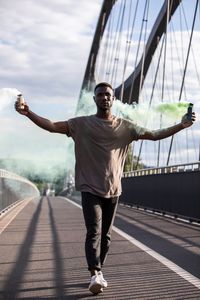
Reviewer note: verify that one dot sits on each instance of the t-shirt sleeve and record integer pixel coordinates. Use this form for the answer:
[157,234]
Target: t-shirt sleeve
[71,127]
[135,130]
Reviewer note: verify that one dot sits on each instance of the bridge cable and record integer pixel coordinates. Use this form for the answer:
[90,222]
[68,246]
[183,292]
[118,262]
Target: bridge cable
[116,40]
[137,53]
[180,68]
[101,64]
[198,79]
[114,43]
[144,21]
[186,131]
[102,58]
[164,65]
[127,49]
[192,51]
[178,58]
[183,80]
[152,94]
[109,44]
[117,52]
[177,145]
[144,48]
[128,46]
[163,77]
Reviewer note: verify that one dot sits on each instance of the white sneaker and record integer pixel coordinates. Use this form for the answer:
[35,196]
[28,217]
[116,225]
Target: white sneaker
[104,283]
[95,285]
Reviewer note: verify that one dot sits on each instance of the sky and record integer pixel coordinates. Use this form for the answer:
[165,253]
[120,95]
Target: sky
[44,48]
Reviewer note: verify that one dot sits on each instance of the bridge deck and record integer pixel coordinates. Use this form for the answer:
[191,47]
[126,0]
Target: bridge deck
[42,255]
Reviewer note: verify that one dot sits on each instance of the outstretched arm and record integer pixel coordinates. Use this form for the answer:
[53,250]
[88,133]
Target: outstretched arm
[57,127]
[160,134]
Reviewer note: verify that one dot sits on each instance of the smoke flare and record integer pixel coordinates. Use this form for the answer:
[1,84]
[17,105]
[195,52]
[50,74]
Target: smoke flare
[7,96]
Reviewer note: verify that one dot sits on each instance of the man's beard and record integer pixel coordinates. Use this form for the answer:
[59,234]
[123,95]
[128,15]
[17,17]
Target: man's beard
[104,109]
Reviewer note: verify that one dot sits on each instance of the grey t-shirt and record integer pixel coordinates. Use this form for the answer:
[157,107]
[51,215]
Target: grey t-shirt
[100,150]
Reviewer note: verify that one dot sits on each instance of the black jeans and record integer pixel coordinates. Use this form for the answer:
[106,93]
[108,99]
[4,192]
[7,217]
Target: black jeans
[99,216]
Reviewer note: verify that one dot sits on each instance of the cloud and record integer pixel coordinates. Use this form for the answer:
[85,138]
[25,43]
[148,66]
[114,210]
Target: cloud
[168,90]
[44,47]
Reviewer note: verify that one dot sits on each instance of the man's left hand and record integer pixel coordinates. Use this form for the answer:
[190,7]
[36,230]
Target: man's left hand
[188,122]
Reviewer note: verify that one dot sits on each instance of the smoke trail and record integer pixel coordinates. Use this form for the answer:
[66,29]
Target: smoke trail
[7,96]
[173,110]
[48,161]
[139,113]
[86,105]
[31,158]
[149,117]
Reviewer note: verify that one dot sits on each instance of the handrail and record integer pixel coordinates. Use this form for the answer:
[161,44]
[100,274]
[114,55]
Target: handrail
[10,175]
[13,189]
[188,167]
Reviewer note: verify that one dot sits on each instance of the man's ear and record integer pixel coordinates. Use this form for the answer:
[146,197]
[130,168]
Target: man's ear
[94,98]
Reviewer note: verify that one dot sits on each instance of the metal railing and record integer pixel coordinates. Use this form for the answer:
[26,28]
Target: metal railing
[195,166]
[14,188]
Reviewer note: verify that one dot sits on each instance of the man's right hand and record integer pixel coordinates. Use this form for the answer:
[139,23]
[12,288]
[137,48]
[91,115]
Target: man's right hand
[22,110]
[57,127]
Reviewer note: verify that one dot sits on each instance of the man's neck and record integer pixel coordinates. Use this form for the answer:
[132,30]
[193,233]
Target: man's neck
[107,115]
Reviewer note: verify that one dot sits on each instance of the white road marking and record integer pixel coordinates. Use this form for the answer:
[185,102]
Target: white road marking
[168,263]
[20,207]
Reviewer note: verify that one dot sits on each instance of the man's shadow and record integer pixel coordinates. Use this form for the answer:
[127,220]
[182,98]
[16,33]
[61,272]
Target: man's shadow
[13,282]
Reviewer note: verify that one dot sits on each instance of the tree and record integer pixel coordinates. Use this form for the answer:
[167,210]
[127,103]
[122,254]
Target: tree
[132,162]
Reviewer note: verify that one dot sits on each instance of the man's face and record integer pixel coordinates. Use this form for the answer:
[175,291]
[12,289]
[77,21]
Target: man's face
[104,97]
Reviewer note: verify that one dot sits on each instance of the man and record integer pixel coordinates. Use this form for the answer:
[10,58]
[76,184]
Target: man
[101,144]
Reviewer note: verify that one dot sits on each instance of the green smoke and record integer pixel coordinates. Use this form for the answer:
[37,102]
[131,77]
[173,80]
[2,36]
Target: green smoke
[140,113]
[173,110]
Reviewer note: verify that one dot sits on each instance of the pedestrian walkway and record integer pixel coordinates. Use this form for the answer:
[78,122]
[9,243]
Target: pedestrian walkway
[42,257]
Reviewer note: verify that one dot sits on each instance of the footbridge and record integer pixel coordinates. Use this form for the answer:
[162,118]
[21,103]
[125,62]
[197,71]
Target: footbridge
[155,254]
[150,54]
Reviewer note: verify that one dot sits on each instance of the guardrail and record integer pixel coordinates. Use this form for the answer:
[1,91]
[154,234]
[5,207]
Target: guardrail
[14,188]
[194,166]
[172,190]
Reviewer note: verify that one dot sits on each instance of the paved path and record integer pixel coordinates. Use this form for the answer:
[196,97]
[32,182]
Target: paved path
[42,255]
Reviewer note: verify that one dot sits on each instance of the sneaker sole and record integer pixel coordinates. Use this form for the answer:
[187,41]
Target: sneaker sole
[96,288]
